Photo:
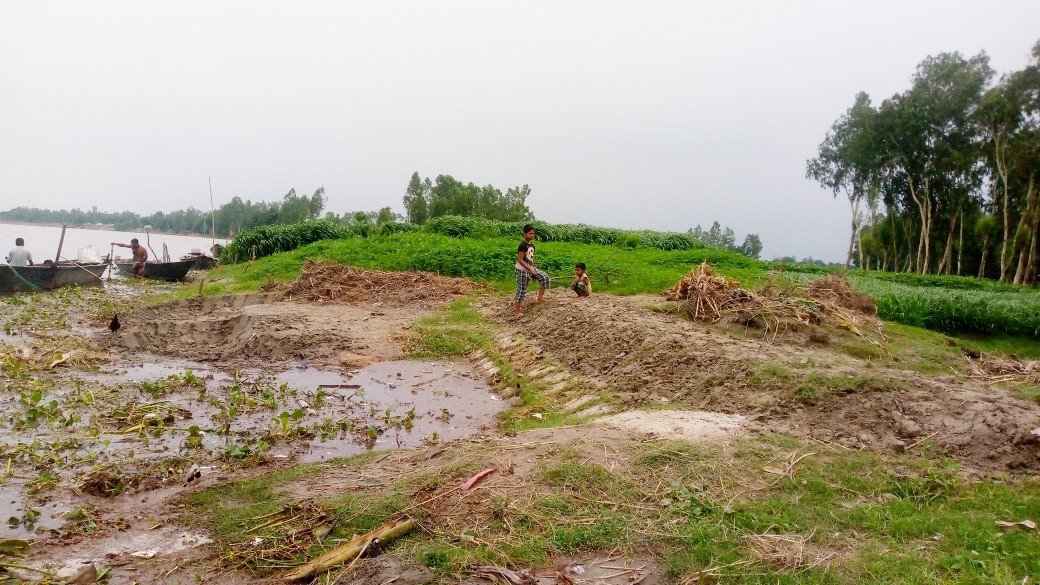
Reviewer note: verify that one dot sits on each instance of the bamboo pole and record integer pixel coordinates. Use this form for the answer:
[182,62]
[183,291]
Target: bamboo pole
[80,266]
[148,239]
[352,549]
[212,221]
[61,242]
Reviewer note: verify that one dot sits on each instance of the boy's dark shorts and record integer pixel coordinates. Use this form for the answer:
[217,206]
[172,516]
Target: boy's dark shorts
[581,288]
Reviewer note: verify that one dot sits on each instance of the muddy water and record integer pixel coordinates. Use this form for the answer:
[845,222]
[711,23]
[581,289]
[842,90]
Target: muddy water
[306,414]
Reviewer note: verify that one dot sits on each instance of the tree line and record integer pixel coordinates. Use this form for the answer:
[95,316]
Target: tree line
[942,177]
[231,218]
[425,200]
[724,238]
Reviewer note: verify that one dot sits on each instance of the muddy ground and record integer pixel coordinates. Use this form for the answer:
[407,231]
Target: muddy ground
[798,384]
[107,432]
[115,499]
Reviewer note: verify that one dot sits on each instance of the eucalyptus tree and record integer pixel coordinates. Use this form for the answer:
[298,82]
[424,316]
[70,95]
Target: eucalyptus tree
[847,159]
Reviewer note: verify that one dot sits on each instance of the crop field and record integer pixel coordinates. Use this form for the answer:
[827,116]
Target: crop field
[622,263]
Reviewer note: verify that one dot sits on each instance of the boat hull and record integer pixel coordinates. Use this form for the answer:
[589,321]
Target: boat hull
[15,279]
[160,270]
[202,262]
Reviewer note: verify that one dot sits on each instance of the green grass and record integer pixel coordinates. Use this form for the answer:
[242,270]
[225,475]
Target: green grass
[940,303]
[882,518]
[618,270]
[456,331]
[227,507]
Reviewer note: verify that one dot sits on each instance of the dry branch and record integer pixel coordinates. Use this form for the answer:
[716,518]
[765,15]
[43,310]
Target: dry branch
[350,550]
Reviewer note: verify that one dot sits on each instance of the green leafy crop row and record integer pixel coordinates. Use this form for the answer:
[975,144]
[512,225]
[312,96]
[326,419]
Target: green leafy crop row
[618,261]
[271,239]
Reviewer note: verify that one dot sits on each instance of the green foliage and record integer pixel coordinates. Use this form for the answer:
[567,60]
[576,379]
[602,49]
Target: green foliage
[618,261]
[491,260]
[447,195]
[993,311]
[271,239]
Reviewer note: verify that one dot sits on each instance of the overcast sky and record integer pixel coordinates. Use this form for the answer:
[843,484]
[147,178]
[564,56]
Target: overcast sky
[635,115]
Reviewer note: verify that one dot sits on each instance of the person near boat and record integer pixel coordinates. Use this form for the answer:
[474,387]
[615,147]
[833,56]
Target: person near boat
[19,255]
[140,255]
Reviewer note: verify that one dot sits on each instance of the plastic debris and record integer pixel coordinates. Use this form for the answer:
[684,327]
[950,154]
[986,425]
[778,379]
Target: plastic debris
[1024,523]
[471,481]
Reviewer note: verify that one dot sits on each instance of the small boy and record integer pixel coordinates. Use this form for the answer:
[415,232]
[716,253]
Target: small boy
[525,269]
[581,283]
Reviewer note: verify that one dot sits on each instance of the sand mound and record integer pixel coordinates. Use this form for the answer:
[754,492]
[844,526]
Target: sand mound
[322,282]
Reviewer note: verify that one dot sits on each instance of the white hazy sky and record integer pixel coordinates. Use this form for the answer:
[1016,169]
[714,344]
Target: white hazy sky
[654,115]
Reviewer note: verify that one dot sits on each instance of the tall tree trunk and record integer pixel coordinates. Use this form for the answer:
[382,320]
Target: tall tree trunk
[947,257]
[1000,147]
[1031,263]
[985,251]
[1020,271]
[924,223]
[854,202]
[1025,222]
[926,232]
[960,246]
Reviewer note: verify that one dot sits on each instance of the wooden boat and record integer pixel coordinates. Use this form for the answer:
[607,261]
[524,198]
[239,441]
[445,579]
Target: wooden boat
[159,270]
[202,261]
[49,276]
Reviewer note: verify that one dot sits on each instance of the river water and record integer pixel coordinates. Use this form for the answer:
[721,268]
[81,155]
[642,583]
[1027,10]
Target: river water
[42,241]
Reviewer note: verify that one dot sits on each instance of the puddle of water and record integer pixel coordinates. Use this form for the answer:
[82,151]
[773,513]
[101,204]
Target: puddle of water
[49,515]
[136,543]
[445,397]
[386,405]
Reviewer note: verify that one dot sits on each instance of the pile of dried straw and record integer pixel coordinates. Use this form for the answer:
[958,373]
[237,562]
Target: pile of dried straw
[995,370]
[706,294]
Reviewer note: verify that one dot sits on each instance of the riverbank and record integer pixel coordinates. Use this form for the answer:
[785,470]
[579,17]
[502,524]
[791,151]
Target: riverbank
[227,438]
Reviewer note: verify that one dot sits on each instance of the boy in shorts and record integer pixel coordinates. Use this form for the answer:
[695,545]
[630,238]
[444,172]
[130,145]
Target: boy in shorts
[525,269]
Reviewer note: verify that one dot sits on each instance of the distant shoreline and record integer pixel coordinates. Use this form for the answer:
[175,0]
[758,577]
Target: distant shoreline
[105,228]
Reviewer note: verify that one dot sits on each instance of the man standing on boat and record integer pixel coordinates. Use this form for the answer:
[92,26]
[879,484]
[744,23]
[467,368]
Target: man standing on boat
[140,255]
[19,256]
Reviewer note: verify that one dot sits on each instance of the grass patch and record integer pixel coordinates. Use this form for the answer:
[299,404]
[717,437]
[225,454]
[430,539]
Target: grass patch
[227,507]
[455,331]
[872,517]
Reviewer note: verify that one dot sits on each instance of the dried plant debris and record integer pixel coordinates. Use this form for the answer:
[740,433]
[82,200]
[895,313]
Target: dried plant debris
[322,282]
